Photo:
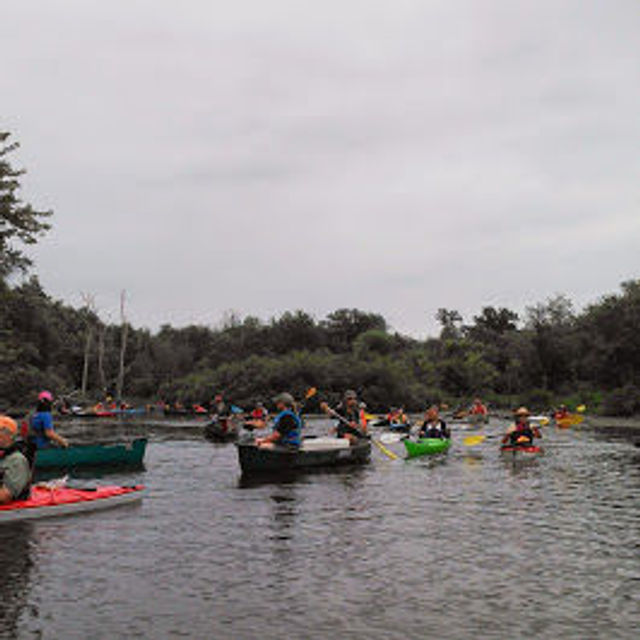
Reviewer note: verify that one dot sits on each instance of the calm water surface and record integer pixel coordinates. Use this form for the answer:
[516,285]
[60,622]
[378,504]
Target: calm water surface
[453,547]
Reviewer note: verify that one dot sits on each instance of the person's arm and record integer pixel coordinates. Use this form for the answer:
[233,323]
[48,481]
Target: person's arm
[5,495]
[56,437]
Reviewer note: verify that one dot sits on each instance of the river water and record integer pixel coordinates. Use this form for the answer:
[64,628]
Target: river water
[462,545]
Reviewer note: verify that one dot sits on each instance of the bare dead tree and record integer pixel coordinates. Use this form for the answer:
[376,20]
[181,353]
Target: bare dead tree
[123,347]
[90,306]
[102,378]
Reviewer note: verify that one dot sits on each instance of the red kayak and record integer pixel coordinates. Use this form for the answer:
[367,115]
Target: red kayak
[517,449]
[61,501]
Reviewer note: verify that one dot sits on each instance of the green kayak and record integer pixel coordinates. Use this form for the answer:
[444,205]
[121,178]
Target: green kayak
[93,455]
[425,446]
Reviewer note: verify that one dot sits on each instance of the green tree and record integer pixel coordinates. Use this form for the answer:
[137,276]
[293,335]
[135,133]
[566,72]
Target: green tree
[20,223]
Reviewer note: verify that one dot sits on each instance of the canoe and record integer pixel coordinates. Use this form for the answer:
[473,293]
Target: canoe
[224,430]
[313,453]
[93,455]
[527,451]
[426,446]
[62,501]
[106,413]
[404,427]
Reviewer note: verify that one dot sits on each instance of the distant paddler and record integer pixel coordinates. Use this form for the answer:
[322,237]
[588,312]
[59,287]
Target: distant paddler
[479,409]
[352,423]
[257,419]
[521,433]
[287,425]
[15,471]
[433,425]
[43,434]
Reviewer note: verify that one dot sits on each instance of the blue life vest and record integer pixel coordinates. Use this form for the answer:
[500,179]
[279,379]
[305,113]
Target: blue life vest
[293,437]
[41,422]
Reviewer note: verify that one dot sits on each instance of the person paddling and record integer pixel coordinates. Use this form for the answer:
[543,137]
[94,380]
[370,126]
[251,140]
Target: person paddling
[353,423]
[521,433]
[15,471]
[478,408]
[44,435]
[287,425]
[434,426]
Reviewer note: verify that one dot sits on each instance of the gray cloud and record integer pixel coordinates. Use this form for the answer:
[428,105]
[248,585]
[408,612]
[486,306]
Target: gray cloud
[395,156]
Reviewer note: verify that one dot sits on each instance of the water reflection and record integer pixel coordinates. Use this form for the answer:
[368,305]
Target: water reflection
[16,563]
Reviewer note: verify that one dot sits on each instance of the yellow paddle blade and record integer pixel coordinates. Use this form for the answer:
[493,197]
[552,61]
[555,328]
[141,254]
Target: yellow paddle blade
[581,408]
[384,450]
[472,441]
[368,417]
[544,422]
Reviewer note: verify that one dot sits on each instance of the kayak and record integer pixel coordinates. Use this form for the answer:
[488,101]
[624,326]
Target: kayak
[426,446]
[520,450]
[569,421]
[313,453]
[61,501]
[93,455]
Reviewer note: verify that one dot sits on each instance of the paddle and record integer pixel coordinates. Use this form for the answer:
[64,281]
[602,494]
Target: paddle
[380,446]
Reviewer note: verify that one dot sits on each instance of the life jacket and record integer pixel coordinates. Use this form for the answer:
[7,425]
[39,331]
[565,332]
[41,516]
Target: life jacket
[430,430]
[521,431]
[294,437]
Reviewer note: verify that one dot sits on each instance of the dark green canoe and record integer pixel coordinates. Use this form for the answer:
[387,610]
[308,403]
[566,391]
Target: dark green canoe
[93,455]
[314,453]
[426,446]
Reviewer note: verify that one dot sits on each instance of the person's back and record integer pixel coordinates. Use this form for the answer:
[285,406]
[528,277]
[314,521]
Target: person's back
[15,471]
[41,422]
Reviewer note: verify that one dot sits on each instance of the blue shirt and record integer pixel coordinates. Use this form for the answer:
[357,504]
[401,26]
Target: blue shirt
[41,422]
[289,427]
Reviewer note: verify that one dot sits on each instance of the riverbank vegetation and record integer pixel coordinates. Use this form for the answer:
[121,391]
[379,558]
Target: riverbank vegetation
[548,354]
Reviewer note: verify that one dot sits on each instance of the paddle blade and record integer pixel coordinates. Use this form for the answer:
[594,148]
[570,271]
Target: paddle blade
[472,441]
[311,391]
[236,410]
[581,408]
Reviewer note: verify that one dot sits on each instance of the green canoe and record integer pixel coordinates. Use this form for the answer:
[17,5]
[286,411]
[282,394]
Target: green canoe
[425,446]
[93,455]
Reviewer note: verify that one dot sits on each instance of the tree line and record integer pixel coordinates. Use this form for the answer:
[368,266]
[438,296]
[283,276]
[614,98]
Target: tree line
[549,354]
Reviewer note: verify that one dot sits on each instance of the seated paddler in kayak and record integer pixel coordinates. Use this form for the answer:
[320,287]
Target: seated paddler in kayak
[352,423]
[43,435]
[287,425]
[257,419]
[478,408]
[433,425]
[521,433]
[562,413]
[15,471]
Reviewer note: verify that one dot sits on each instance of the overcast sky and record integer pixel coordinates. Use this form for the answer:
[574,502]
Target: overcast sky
[396,156]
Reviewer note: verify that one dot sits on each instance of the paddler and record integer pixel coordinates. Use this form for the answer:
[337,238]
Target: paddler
[478,408]
[287,425]
[562,413]
[353,421]
[15,472]
[521,433]
[433,425]
[43,434]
